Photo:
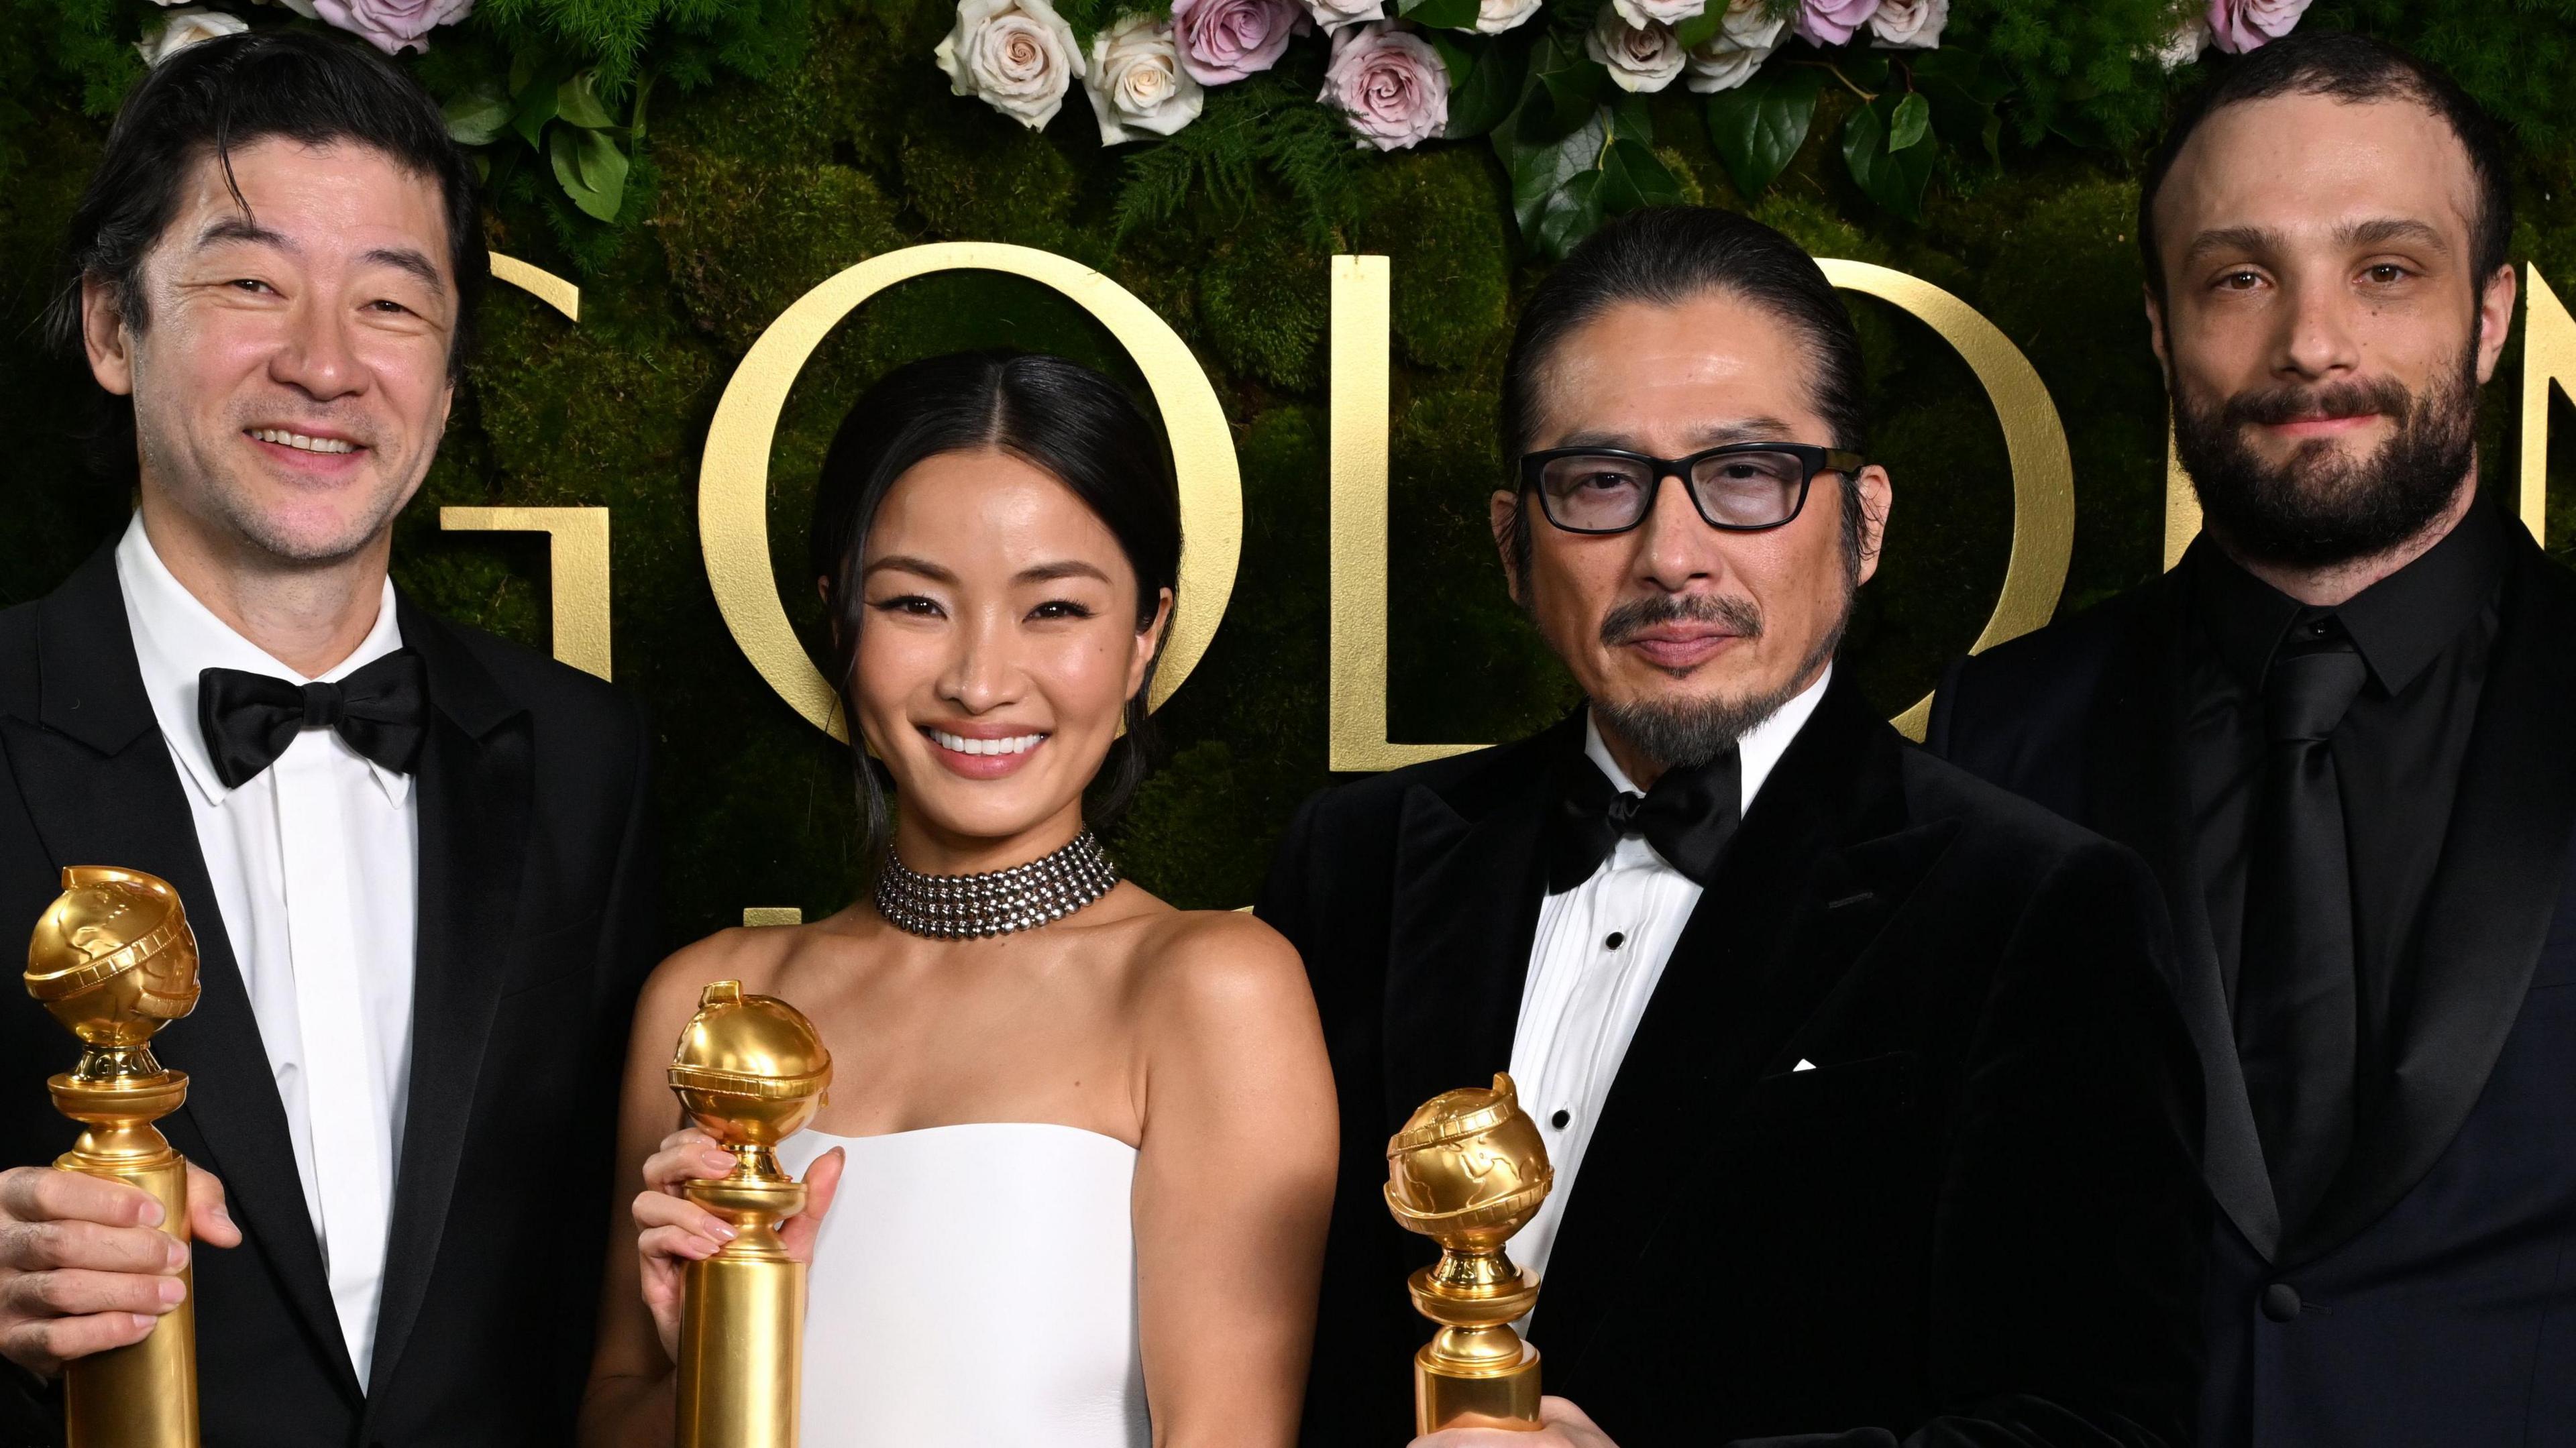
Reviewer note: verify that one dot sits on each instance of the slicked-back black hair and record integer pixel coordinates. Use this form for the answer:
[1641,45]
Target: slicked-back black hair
[1061,416]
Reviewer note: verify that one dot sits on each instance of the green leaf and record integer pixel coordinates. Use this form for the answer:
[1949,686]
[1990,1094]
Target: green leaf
[1439,14]
[1565,87]
[591,170]
[1759,126]
[1556,185]
[1484,80]
[1912,119]
[1964,97]
[537,101]
[479,116]
[1893,179]
[577,103]
[1701,26]
[1632,176]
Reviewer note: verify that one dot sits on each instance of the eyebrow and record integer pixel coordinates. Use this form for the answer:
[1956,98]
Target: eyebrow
[2377,231]
[906,563]
[1038,573]
[1748,429]
[243,229]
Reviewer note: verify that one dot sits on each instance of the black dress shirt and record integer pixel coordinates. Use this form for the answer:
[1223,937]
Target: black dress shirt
[2426,633]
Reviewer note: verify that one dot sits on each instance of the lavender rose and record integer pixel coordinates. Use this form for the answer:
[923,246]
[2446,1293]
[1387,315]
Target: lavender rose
[2237,26]
[1745,38]
[1831,22]
[1226,40]
[393,26]
[1639,58]
[1909,24]
[1136,83]
[1388,84]
[1493,17]
[1017,55]
[184,27]
[1332,15]
[1653,12]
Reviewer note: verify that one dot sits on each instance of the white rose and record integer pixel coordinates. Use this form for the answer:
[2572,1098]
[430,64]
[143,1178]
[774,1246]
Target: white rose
[1018,55]
[184,27]
[1332,15]
[1641,13]
[1136,83]
[1639,58]
[2186,43]
[1744,39]
[1493,17]
[1909,24]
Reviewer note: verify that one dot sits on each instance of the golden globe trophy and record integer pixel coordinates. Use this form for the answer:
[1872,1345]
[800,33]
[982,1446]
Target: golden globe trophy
[1467,1171]
[113,959]
[750,1071]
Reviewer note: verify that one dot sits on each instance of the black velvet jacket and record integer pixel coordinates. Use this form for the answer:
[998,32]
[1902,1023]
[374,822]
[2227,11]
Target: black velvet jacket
[1977,1220]
[536,909]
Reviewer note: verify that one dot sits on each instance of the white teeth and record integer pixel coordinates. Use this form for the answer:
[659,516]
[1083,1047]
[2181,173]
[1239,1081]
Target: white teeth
[283,438]
[1017,744]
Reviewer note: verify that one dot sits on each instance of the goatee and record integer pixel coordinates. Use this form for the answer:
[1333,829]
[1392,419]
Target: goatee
[2318,507]
[1686,732]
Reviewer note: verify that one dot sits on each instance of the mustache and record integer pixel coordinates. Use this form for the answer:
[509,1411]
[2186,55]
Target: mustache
[1736,615]
[2271,406]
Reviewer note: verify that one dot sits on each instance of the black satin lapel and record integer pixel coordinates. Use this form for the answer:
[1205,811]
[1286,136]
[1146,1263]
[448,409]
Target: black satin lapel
[124,805]
[1466,901]
[2137,795]
[2487,915]
[476,797]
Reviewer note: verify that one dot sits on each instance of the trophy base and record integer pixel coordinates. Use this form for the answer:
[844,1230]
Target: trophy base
[1506,1398]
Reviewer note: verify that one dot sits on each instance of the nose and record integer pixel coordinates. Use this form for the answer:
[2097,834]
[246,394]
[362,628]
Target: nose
[1675,544]
[2317,338]
[982,674]
[315,356]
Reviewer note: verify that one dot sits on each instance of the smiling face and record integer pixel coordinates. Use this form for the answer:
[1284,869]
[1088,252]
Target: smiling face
[997,650]
[2324,328]
[1682,635]
[291,382]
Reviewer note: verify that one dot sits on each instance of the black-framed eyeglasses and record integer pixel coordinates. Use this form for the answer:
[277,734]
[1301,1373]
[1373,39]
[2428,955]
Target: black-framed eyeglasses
[1743,487]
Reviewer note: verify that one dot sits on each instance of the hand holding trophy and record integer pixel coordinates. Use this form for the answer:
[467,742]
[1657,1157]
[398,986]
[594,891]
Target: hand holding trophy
[1467,1171]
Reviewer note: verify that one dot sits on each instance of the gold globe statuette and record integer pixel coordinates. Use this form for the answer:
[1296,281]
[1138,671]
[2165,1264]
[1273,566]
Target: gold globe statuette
[1467,1171]
[114,961]
[750,1071]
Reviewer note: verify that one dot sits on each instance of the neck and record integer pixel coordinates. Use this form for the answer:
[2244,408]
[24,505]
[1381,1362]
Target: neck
[307,616]
[2333,584]
[927,848]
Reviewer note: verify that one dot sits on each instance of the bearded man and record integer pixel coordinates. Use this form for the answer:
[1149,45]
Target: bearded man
[2340,729]
[1870,1114]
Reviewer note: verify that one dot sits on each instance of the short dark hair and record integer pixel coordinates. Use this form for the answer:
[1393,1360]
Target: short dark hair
[1055,414]
[1667,255]
[230,91]
[2353,69]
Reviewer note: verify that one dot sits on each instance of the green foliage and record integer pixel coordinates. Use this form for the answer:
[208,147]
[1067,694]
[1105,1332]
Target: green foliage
[1265,297]
[1439,217]
[1266,129]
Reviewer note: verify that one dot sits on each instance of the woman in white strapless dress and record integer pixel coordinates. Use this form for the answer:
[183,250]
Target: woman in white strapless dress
[1070,1186]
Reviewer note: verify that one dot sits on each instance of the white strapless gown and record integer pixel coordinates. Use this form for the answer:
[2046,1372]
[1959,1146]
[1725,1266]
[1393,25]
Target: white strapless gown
[974,1287]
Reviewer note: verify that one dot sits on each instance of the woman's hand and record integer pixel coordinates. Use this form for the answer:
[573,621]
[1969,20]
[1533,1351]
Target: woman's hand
[672,1231]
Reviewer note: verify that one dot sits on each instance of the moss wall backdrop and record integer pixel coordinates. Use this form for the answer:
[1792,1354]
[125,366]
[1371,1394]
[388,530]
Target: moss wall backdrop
[763,175]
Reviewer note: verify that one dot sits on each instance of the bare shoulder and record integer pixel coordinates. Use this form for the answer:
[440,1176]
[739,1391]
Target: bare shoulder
[752,955]
[1212,966]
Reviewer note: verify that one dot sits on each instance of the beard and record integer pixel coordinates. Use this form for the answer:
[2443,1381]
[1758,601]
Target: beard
[1685,732]
[2318,508]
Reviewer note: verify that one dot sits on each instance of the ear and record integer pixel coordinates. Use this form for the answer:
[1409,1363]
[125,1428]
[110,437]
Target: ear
[2495,317]
[104,337]
[2156,330]
[1149,641]
[1877,495]
[1503,515]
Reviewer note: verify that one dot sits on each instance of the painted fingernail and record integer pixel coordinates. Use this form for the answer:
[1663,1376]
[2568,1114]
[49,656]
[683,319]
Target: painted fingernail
[724,1233]
[172,1290]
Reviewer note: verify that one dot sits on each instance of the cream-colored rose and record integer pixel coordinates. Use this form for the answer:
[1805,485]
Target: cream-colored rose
[1638,57]
[1653,12]
[1017,55]
[1744,39]
[1493,17]
[1136,83]
[184,27]
[1332,15]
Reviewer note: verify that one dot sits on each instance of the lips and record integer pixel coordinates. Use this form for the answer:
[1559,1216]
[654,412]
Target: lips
[983,755]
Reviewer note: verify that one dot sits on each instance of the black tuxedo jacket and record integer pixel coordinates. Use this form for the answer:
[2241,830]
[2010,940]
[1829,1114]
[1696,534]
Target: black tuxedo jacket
[2433,1299]
[1977,1220]
[535,933]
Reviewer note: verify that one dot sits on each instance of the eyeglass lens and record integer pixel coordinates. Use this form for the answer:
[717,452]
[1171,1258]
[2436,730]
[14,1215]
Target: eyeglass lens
[1600,491]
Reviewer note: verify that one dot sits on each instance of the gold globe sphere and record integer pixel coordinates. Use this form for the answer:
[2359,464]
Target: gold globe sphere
[750,1070]
[114,960]
[1469,1168]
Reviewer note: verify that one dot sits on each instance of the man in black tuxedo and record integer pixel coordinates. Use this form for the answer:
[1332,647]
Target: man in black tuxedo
[1871,1115]
[2339,729]
[415,857]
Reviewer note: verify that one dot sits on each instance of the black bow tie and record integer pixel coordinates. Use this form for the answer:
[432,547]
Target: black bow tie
[1688,817]
[249,719]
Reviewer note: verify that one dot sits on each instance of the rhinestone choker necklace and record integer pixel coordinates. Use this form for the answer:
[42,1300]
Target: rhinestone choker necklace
[959,907]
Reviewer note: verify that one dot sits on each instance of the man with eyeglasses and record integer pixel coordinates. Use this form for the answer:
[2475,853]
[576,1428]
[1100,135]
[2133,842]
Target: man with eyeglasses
[1871,1116]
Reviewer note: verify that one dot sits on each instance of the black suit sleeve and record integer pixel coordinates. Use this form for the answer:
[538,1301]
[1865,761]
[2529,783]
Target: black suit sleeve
[2069,1243]
[1937,731]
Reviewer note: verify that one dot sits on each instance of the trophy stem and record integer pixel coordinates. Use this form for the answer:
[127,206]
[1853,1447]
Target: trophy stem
[742,1318]
[143,1395]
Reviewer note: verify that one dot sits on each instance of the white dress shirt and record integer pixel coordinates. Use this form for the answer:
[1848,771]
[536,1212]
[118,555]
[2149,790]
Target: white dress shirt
[315,862]
[1599,950]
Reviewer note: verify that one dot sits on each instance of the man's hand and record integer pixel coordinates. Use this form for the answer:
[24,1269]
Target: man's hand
[84,1266]
[1562,1425]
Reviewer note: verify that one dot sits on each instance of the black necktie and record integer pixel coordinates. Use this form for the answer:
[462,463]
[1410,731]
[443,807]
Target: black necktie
[1688,816]
[249,719]
[2296,995]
